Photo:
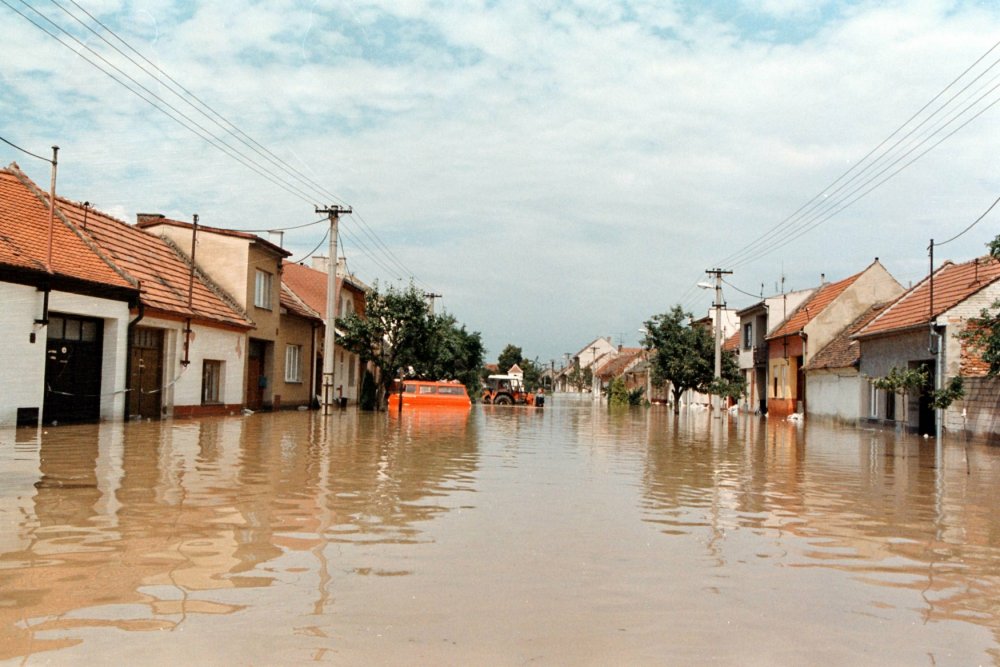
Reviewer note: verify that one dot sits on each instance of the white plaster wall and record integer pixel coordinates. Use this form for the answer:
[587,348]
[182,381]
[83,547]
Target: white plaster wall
[183,385]
[836,395]
[116,318]
[22,363]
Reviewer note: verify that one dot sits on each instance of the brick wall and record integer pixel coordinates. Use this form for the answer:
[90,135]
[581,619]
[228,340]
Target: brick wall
[981,406]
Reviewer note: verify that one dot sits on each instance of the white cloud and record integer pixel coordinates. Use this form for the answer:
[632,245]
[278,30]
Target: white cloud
[557,171]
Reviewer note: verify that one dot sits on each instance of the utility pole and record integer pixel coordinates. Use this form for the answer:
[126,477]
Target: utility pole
[332,299]
[430,296]
[718,305]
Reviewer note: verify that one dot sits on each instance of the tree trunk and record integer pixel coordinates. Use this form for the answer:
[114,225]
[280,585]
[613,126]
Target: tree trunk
[677,391]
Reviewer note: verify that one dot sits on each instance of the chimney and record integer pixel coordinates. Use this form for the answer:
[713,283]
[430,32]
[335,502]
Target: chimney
[321,263]
[148,219]
[822,279]
[276,237]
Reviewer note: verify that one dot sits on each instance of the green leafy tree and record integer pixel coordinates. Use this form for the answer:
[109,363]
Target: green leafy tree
[511,355]
[684,355]
[732,384]
[581,378]
[905,381]
[451,352]
[399,335]
[620,395]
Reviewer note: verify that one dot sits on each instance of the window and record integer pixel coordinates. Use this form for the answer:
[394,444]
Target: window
[872,400]
[293,363]
[211,382]
[424,389]
[890,405]
[262,290]
[748,335]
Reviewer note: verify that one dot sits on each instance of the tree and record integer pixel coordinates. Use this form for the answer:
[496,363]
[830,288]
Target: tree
[620,395]
[732,384]
[400,335]
[916,381]
[511,355]
[684,355]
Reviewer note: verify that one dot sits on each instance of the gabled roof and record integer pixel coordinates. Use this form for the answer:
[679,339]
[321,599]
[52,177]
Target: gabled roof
[843,351]
[617,365]
[147,220]
[953,284]
[163,273]
[24,239]
[307,284]
[732,344]
[813,306]
[296,306]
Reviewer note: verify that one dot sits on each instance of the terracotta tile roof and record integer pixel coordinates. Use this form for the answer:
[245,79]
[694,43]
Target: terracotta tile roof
[615,366]
[308,284]
[163,273]
[953,283]
[294,305]
[813,306]
[24,225]
[146,220]
[732,344]
[843,351]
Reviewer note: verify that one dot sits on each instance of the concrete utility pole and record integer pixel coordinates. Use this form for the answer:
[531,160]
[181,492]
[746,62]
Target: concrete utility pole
[718,305]
[332,299]
[430,296]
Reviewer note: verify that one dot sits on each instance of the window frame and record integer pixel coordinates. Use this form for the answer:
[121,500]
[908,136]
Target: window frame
[263,288]
[211,381]
[293,363]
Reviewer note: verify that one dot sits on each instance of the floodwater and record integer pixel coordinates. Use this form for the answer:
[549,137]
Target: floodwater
[567,535]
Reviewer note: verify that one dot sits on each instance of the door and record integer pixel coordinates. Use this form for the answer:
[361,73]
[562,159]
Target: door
[926,417]
[73,369]
[145,397]
[256,378]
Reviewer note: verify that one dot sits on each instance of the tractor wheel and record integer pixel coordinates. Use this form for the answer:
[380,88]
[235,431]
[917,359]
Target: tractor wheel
[503,399]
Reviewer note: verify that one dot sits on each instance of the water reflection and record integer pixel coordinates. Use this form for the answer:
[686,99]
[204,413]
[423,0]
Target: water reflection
[569,534]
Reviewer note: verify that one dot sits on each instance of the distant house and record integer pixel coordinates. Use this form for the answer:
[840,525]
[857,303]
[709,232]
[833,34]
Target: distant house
[249,268]
[66,314]
[309,286]
[756,323]
[570,377]
[618,365]
[920,330]
[812,326]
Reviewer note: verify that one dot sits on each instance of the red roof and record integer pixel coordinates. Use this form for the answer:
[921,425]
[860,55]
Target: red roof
[307,284]
[732,344]
[615,366]
[813,306]
[24,236]
[164,275]
[843,351]
[293,304]
[953,283]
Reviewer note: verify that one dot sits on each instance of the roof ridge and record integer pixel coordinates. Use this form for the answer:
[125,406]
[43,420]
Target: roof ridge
[83,236]
[217,289]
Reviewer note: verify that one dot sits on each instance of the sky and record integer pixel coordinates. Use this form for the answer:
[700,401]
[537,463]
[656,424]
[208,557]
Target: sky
[555,170]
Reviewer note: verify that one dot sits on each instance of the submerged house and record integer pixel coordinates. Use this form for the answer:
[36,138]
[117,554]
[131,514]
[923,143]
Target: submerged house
[66,314]
[921,329]
[812,326]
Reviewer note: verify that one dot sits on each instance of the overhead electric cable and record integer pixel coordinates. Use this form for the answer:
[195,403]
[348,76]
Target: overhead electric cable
[974,223]
[823,194]
[26,152]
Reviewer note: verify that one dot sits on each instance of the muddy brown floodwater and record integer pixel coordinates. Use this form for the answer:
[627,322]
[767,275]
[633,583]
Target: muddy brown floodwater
[568,535]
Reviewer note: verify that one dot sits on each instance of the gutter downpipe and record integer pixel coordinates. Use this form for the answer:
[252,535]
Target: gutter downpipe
[128,354]
[187,324]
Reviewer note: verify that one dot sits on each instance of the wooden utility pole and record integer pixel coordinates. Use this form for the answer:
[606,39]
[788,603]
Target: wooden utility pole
[332,299]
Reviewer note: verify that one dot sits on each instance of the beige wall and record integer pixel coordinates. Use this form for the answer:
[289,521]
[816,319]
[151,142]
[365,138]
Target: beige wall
[298,331]
[223,258]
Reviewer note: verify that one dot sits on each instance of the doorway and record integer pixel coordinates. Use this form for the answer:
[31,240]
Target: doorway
[73,369]
[145,397]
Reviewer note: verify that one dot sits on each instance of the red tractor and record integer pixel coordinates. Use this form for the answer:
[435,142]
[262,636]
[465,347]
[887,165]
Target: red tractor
[509,390]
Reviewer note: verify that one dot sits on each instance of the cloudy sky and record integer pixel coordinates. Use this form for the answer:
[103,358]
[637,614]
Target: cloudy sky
[556,170]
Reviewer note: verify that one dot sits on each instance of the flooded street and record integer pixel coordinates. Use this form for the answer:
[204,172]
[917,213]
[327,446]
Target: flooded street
[569,535]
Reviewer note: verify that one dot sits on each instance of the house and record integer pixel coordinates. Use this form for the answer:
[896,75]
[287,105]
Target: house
[618,365]
[921,329]
[186,335]
[812,326]
[836,386]
[66,314]
[309,286]
[573,376]
[756,322]
[249,268]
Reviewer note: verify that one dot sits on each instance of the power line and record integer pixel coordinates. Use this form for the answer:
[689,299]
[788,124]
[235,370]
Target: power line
[974,223]
[25,152]
[823,198]
[189,123]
